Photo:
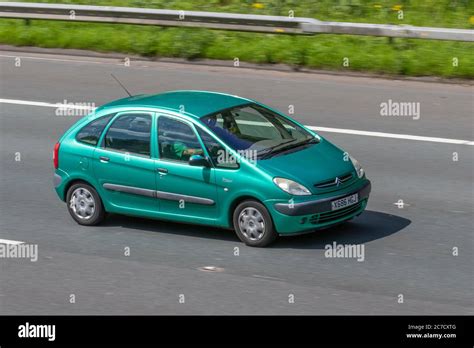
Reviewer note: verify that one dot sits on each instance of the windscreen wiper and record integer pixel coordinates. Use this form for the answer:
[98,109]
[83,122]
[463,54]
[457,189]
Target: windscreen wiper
[268,150]
[273,150]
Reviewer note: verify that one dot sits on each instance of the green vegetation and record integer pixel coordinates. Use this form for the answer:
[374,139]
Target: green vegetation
[380,55]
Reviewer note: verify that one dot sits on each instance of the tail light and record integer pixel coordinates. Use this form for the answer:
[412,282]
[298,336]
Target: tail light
[55,156]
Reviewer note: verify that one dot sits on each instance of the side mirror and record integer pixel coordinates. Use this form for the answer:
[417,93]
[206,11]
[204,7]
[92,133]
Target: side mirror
[198,161]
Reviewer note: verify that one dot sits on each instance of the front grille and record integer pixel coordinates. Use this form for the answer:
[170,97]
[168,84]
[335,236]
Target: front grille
[329,216]
[332,182]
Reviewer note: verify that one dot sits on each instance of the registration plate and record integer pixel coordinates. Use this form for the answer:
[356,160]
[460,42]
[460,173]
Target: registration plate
[345,202]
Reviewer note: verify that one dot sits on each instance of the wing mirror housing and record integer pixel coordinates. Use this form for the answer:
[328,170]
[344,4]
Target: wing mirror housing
[199,161]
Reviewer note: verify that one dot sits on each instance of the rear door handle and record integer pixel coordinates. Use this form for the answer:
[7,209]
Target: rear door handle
[104,159]
[162,170]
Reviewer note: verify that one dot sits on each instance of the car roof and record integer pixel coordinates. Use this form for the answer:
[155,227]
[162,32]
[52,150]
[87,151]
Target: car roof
[195,103]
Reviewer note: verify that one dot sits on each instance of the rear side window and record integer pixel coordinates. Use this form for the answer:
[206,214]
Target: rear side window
[90,134]
[130,133]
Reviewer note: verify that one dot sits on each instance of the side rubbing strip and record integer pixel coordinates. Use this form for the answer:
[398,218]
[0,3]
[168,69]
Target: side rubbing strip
[158,194]
[177,197]
[129,189]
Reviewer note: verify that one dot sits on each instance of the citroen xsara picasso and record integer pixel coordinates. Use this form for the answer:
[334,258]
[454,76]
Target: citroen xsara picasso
[206,158]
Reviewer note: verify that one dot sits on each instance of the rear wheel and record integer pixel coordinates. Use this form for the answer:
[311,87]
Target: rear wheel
[253,224]
[85,205]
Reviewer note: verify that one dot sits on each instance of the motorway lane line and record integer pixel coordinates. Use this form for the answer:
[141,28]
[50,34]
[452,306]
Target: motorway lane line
[392,135]
[372,134]
[319,129]
[48,105]
[10,242]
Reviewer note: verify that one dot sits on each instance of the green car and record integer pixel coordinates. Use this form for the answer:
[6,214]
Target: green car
[206,158]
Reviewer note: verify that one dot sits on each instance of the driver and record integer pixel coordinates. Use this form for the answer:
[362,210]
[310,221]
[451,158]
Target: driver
[228,136]
[181,152]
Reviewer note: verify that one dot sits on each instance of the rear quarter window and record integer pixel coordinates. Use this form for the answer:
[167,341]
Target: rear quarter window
[90,133]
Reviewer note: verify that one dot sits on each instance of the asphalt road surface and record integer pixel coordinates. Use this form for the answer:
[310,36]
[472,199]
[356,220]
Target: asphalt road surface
[408,248]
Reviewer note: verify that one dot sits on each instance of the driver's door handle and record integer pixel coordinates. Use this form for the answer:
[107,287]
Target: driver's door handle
[104,159]
[162,170]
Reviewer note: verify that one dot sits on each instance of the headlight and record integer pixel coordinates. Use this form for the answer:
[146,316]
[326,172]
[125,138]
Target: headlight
[291,187]
[358,168]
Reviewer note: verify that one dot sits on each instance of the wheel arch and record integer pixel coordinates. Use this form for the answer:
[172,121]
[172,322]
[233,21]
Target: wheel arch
[76,181]
[237,201]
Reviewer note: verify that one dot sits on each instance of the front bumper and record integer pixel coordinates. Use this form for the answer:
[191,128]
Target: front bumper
[321,205]
[309,215]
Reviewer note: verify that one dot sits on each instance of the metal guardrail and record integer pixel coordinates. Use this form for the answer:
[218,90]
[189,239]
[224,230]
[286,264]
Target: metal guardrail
[222,21]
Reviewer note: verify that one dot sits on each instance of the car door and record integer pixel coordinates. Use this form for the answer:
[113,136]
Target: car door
[185,192]
[124,164]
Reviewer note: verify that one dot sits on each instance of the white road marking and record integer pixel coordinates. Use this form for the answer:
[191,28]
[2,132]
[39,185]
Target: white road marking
[392,135]
[400,204]
[43,104]
[319,129]
[211,269]
[267,277]
[10,242]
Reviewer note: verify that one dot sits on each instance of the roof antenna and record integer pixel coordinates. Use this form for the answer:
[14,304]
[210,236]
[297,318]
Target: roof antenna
[116,79]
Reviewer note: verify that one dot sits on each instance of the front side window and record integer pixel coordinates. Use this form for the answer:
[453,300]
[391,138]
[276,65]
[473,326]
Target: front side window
[255,128]
[177,140]
[219,155]
[130,133]
[90,134]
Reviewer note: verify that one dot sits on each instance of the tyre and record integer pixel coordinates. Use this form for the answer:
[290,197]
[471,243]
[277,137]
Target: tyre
[85,205]
[253,224]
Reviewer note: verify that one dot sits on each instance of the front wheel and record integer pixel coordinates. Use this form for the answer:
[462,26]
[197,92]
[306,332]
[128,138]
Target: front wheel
[253,224]
[84,204]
